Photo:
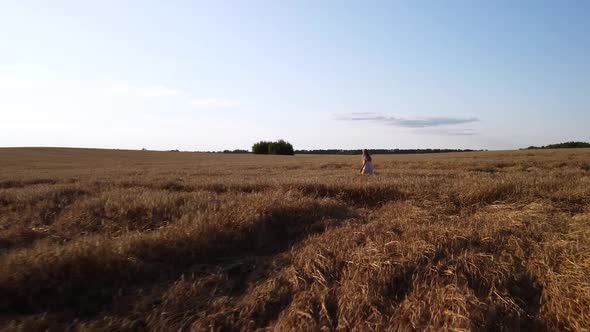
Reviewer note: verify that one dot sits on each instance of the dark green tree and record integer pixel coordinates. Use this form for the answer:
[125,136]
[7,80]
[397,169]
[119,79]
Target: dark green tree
[279,147]
[260,147]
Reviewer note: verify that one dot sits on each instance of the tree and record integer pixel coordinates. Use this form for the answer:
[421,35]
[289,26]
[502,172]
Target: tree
[279,147]
[566,145]
[260,147]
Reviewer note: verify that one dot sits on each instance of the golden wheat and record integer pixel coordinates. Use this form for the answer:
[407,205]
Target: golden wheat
[141,240]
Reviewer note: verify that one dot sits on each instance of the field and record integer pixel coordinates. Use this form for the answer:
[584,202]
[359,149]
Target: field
[167,241]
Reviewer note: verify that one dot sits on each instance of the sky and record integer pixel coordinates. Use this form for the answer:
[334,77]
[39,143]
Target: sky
[215,75]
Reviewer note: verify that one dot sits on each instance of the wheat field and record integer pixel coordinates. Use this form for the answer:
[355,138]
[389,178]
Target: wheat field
[113,240]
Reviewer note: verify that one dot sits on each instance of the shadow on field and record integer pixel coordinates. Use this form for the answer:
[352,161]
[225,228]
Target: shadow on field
[526,291]
[57,202]
[84,278]
[357,196]
[180,187]
[7,184]
[512,302]
[32,212]
[517,308]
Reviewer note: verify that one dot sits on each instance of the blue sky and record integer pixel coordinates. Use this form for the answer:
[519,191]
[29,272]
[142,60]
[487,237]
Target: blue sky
[214,75]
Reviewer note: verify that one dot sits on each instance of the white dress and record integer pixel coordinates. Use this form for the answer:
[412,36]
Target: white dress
[368,168]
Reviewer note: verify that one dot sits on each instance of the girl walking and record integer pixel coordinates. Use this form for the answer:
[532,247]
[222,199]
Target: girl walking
[367,163]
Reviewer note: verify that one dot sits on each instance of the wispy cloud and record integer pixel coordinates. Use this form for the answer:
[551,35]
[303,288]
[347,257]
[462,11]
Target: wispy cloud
[448,132]
[214,103]
[150,91]
[159,91]
[164,91]
[422,122]
[360,116]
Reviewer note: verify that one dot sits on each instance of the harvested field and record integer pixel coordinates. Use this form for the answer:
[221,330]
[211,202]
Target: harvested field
[166,241]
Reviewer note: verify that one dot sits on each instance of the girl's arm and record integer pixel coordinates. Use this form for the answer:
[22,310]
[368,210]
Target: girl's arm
[364,162]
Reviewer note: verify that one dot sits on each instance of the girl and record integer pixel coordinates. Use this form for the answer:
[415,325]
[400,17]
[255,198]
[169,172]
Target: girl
[367,163]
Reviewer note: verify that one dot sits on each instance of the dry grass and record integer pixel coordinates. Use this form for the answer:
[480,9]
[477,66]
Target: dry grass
[121,240]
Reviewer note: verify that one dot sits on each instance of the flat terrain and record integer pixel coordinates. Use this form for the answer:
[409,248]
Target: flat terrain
[165,241]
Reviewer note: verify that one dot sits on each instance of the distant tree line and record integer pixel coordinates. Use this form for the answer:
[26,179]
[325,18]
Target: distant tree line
[279,147]
[381,151]
[282,147]
[236,151]
[566,145]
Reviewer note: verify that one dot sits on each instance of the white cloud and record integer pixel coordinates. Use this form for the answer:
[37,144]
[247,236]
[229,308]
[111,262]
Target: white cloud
[159,91]
[150,91]
[214,103]
[448,132]
[404,122]
[121,88]
[154,91]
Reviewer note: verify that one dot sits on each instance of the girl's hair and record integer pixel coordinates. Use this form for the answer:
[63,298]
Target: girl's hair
[366,154]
